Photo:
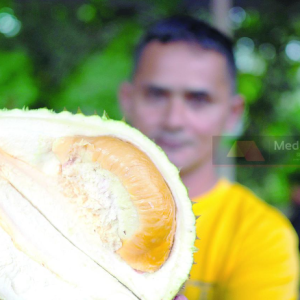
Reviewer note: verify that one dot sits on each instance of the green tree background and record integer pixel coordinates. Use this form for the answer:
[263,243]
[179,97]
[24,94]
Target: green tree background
[70,54]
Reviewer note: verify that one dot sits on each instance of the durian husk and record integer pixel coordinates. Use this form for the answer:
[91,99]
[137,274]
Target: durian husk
[38,229]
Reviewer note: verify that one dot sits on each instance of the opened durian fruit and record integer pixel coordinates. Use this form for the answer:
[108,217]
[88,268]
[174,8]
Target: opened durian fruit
[90,209]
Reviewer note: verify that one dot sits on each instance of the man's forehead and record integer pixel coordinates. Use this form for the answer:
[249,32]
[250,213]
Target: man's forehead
[159,52]
[174,55]
[180,63]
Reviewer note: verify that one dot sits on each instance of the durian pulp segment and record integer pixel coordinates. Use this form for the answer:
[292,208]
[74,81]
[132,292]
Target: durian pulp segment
[98,194]
[105,174]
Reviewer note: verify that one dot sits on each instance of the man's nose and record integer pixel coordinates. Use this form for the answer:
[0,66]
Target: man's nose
[175,113]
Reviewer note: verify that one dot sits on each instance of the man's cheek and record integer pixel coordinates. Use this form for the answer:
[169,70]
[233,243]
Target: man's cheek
[213,126]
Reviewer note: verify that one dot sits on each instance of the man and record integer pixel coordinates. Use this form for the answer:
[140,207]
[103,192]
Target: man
[181,95]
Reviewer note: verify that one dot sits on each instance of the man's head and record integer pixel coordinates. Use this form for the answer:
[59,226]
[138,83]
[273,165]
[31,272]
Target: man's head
[183,89]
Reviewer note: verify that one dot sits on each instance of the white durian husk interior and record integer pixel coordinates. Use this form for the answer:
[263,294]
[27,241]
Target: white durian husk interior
[38,228]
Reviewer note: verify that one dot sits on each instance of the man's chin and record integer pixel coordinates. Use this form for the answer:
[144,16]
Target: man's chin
[184,165]
[179,160]
[176,161]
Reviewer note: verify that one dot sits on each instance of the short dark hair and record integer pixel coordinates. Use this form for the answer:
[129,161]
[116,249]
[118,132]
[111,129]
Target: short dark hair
[190,30]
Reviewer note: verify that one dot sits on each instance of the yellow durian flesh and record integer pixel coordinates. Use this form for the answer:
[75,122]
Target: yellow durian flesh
[147,241]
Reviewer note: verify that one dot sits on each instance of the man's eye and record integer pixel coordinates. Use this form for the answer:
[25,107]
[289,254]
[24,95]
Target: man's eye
[156,94]
[197,99]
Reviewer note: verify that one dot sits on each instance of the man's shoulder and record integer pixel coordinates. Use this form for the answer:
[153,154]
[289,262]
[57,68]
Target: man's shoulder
[256,212]
[259,246]
[238,207]
[267,237]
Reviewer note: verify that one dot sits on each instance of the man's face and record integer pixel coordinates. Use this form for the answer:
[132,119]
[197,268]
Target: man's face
[180,97]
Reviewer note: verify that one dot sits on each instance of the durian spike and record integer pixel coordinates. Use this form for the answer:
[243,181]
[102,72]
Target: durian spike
[105,115]
[79,111]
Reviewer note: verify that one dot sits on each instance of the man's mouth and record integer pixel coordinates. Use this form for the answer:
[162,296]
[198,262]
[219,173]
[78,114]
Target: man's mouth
[170,144]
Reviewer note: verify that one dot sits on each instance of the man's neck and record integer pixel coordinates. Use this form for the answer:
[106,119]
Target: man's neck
[200,181]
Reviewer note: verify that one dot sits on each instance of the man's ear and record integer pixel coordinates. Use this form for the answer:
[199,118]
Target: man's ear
[235,114]
[126,99]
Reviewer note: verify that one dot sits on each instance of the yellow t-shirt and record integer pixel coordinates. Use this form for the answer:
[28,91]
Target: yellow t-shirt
[246,249]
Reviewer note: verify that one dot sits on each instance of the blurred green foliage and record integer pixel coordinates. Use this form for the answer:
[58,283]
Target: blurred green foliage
[18,86]
[70,54]
[94,84]
[270,84]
